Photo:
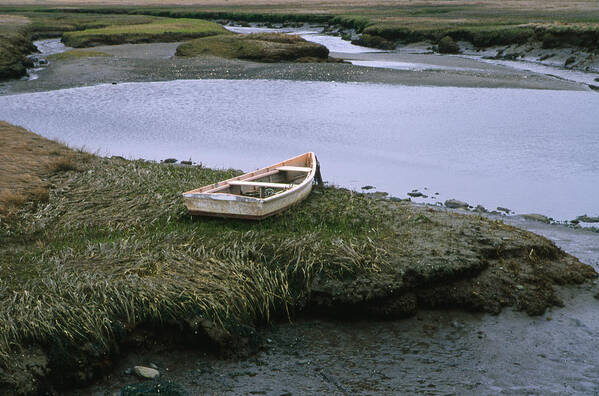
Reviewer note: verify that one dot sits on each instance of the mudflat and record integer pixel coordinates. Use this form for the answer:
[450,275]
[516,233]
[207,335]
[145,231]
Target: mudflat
[156,62]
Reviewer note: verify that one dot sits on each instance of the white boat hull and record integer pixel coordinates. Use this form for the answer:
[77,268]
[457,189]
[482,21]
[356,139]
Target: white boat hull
[208,201]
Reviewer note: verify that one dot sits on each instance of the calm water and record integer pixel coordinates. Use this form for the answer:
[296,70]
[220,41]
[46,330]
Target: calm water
[528,150]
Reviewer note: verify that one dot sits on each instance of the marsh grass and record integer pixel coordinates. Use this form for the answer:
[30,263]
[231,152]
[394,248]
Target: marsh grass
[162,29]
[114,247]
[484,24]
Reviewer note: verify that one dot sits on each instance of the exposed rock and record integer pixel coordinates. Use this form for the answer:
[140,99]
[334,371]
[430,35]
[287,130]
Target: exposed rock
[480,209]
[373,41]
[448,46]
[456,204]
[536,217]
[588,219]
[146,372]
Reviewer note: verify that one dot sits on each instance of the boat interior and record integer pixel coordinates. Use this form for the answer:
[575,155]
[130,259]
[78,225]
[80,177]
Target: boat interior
[266,182]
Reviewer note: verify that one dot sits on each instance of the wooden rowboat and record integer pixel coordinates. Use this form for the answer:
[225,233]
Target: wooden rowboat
[257,194]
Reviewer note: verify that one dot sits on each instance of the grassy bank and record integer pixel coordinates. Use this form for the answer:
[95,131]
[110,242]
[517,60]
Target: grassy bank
[112,250]
[485,23]
[14,46]
[264,47]
[162,30]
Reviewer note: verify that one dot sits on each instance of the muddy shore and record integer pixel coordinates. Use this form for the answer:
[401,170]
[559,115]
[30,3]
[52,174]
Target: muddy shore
[434,352]
[156,62]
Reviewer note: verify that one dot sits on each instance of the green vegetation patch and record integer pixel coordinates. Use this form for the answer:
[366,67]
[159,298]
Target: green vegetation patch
[76,54]
[14,46]
[54,24]
[163,30]
[263,47]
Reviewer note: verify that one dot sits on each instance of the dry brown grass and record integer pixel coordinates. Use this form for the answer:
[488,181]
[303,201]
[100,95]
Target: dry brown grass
[330,6]
[26,162]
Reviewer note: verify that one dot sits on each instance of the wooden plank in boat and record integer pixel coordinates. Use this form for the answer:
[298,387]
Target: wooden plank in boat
[259,184]
[294,169]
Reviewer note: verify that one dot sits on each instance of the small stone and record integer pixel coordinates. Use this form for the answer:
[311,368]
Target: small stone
[456,324]
[146,372]
[536,217]
[170,160]
[455,204]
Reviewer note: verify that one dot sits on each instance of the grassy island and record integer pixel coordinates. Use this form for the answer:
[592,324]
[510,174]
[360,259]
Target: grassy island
[162,30]
[263,47]
[108,250]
